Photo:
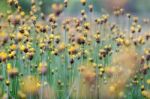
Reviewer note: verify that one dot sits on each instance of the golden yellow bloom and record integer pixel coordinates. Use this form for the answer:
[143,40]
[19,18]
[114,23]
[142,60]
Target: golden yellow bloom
[57,8]
[30,85]
[7,82]
[22,13]
[12,71]
[148,81]
[88,74]
[61,47]
[22,47]
[81,39]
[21,95]
[3,56]
[126,42]
[83,2]
[73,50]
[3,36]
[146,94]
[13,47]
[19,36]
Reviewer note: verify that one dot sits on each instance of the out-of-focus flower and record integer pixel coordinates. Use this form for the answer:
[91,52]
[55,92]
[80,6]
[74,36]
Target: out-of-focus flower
[48,92]
[57,8]
[3,56]
[148,81]
[22,95]
[83,2]
[12,71]
[124,67]
[42,68]
[88,74]
[146,93]
[86,86]
[30,85]
[115,3]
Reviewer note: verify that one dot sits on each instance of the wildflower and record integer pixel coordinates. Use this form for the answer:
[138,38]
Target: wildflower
[12,71]
[123,70]
[42,68]
[23,48]
[15,20]
[148,81]
[126,42]
[88,75]
[19,37]
[13,47]
[128,15]
[144,69]
[21,95]
[33,18]
[83,2]
[146,93]
[81,39]
[132,29]
[52,18]
[142,88]
[57,39]
[73,50]
[48,92]
[91,8]
[135,19]
[97,37]
[10,2]
[3,56]
[30,55]
[147,36]
[57,8]
[82,12]
[87,25]
[7,82]
[61,47]
[65,3]
[22,13]
[3,37]
[1,78]
[30,85]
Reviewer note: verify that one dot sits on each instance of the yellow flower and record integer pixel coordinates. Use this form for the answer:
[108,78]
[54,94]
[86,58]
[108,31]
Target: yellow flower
[83,2]
[146,93]
[12,71]
[57,8]
[126,42]
[3,56]
[22,13]
[72,50]
[51,36]
[112,89]
[13,47]
[22,47]
[19,36]
[148,81]
[7,82]
[3,36]
[81,39]
[21,95]
[61,47]
[30,85]
[9,66]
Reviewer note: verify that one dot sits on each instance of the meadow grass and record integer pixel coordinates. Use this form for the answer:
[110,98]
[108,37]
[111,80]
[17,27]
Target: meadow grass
[84,57]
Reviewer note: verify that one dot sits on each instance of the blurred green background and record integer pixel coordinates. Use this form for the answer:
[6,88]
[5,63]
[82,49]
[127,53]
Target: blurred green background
[134,6]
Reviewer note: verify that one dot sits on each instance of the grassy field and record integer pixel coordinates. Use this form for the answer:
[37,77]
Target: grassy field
[55,56]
